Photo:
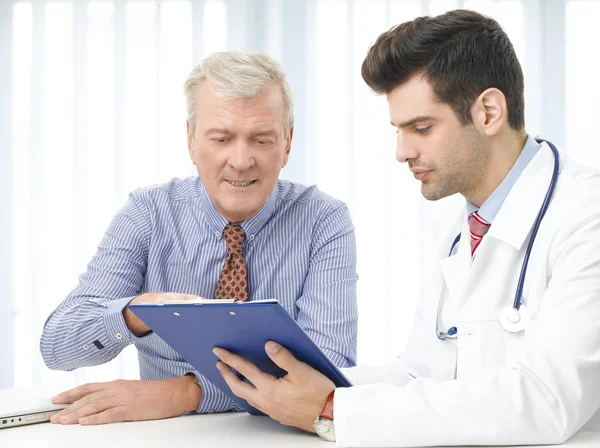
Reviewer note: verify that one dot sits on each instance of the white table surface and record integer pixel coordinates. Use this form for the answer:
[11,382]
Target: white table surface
[206,431]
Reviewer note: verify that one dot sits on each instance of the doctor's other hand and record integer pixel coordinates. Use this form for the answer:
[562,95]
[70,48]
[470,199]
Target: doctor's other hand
[294,400]
[134,323]
[128,400]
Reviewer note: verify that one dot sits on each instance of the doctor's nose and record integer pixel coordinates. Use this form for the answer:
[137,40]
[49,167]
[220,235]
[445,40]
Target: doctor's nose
[241,158]
[405,150]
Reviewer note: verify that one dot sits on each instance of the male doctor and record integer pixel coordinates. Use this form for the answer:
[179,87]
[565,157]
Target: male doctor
[481,373]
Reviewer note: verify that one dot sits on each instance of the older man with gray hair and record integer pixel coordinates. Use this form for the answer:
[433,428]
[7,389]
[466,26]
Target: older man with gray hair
[234,231]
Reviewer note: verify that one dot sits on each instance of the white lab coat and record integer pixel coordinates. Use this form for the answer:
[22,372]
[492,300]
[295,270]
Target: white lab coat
[490,387]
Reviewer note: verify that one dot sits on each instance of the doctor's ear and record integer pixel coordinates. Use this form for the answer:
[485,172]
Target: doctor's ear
[490,112]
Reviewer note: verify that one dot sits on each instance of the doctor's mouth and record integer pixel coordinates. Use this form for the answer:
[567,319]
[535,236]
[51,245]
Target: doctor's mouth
[421,174]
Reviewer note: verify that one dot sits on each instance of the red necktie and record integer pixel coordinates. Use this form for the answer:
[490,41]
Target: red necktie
[232,281]
[478,228]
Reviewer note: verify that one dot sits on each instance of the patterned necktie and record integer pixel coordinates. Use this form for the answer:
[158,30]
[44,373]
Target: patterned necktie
[478,228]
[232,281]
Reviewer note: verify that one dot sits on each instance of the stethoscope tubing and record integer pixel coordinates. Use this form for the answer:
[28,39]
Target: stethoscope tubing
[519,291]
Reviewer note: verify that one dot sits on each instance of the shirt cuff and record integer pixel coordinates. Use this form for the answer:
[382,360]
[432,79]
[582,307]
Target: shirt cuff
[213,400]
[115,325]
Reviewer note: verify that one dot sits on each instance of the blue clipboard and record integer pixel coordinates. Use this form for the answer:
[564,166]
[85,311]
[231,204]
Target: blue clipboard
[194,329]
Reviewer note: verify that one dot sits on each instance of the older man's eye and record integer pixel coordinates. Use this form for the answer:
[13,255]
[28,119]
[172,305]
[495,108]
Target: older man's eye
[423,130]
[220,140]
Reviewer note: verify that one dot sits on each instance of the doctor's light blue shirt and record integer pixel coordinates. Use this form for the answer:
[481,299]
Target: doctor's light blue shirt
[490,208]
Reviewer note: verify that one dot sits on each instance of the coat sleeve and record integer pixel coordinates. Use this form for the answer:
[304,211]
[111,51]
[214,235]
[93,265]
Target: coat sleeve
[410,365]
[542,399]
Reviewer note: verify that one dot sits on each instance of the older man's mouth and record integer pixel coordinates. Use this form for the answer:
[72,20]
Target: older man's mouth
[241,184]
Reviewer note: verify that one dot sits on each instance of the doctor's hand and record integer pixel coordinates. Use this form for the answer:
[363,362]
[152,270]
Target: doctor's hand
[134,323]
[294,400]
[122,401]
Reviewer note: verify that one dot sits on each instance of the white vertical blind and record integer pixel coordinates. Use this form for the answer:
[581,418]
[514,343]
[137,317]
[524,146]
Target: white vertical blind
[7,317]
[21,188]
[331,124]
[95,109]
[582,74]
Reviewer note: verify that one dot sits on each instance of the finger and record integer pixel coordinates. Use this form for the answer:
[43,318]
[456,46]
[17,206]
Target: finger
[283,358]
[162,297]
[66,411]
[256,406]
[78,404]
[112,415]
[91,408]
[246,368]
[72,395]
[173,297]
[57,415]
[238,387]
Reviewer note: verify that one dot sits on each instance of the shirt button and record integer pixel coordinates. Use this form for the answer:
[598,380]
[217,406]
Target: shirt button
[119,337]
[251,237]
[218,234]
[85,347]
[212,411]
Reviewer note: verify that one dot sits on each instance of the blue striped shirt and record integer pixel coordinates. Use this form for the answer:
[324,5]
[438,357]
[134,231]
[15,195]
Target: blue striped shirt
[299,248]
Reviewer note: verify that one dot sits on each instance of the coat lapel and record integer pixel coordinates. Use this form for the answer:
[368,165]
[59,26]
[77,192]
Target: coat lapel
[444,227]
[455,269]
[515,219]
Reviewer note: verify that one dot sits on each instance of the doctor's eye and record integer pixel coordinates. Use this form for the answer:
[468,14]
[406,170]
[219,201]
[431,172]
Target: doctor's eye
[423,130]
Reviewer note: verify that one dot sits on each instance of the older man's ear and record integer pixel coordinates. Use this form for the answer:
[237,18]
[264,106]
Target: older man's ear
[190,141]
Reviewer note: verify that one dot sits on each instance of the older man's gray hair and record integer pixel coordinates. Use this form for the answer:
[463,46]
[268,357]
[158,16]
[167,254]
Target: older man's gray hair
[239,74]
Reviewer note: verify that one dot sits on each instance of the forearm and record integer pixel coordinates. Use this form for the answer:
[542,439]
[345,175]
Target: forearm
[88,327]
[211,399]
[329,316]
[398,374]
[85,333]
[328,310]
[509,408]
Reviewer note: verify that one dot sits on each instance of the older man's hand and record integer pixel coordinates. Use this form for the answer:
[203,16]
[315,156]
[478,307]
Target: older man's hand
[134,323]
[123,400]
[294,400]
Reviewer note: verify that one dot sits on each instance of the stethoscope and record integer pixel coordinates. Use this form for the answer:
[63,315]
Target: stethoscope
[514,317]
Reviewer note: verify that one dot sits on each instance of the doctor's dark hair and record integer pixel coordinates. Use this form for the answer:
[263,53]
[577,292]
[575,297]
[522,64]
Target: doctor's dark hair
[460,53]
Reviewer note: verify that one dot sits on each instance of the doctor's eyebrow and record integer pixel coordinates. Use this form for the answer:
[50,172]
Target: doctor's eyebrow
[414,121]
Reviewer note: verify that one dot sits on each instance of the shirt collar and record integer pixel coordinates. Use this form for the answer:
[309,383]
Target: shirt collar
[492,205]
[251,226]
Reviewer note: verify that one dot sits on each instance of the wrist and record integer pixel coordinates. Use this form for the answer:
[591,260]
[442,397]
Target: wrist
[192,393]
[134,323]
[323,424]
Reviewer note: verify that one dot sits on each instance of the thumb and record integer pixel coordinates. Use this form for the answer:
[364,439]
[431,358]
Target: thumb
[282,357]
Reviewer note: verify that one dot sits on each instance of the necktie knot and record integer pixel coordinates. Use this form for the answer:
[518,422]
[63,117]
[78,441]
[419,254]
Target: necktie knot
[478,227]
[234,237]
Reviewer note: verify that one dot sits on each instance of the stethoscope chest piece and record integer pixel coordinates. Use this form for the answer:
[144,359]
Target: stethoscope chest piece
[513,320]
